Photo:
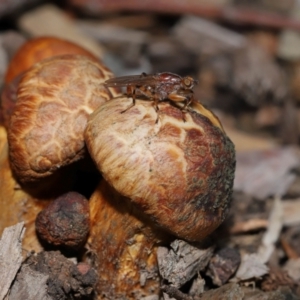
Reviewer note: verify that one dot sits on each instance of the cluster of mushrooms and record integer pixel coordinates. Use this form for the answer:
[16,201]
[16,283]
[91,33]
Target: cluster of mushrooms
[159,180]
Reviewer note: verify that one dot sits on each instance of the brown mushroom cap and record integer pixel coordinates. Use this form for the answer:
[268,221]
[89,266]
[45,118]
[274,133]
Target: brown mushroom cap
[65,221]
[31,52]
[180,174]
[54,100]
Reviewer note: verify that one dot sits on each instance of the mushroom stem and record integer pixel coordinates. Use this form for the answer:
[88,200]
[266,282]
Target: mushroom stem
[124,247]
[17,205]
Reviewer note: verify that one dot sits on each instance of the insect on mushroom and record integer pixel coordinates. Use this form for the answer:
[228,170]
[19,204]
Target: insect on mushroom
[157,87]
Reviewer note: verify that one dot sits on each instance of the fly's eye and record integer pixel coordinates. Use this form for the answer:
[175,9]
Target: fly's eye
[187,82]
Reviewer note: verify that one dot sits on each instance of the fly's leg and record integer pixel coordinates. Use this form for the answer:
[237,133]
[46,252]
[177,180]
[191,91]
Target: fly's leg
[152,96]
[188,101]
[182,96]
[156,100]
[148,93]
[145,91]
[130,92]
[183,109]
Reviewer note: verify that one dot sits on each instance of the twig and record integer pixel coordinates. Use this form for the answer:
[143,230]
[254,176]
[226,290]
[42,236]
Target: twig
[175,293]
[250,225]
[227,13]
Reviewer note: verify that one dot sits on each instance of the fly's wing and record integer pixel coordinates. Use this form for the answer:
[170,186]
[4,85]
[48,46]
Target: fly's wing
[136,80]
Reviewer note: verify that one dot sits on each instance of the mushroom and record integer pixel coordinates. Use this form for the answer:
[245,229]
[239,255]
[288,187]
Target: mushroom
[122,247]
[17,205]
[162,179]
[166,179]
[65,221]
[54,101]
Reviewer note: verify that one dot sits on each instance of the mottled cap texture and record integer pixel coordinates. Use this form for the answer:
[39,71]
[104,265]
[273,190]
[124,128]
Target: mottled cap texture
[54,100]
[178,173]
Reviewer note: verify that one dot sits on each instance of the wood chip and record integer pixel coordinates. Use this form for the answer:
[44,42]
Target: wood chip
[250,267]
[108,33]
[247,142]
[223,265]
[30,284]
[276,277]
[200,35]
[249,225]
[290,217]
[282,293]
[289,40]
[291,212]
[230,291]
[254,265]
[49,20]
[197,287]
[292,267]
[182,261]
[10,256]
[271,236]
[171,293]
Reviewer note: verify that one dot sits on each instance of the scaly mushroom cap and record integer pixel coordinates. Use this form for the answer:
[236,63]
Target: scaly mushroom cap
[30,53]
[180,174]
[54,99]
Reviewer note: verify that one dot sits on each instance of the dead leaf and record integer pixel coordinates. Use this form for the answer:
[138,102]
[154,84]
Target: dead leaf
[265,173]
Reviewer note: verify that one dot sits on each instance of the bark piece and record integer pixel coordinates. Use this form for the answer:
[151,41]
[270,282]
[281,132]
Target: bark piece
[244,141]
[230,291]
[277,277]
[256,77]
[203,36]
[197,287]
[182,261]
[282,293]
[29,284]
[12,6]
[49,20]
[10,256]
[171,293]
[292,267]
[66,280]
[250,267]
[223,265]
[272,234]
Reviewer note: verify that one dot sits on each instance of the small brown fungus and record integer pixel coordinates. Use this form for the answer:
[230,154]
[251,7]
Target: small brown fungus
[65,221]
[180,174]
[163,180]
[54,101]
